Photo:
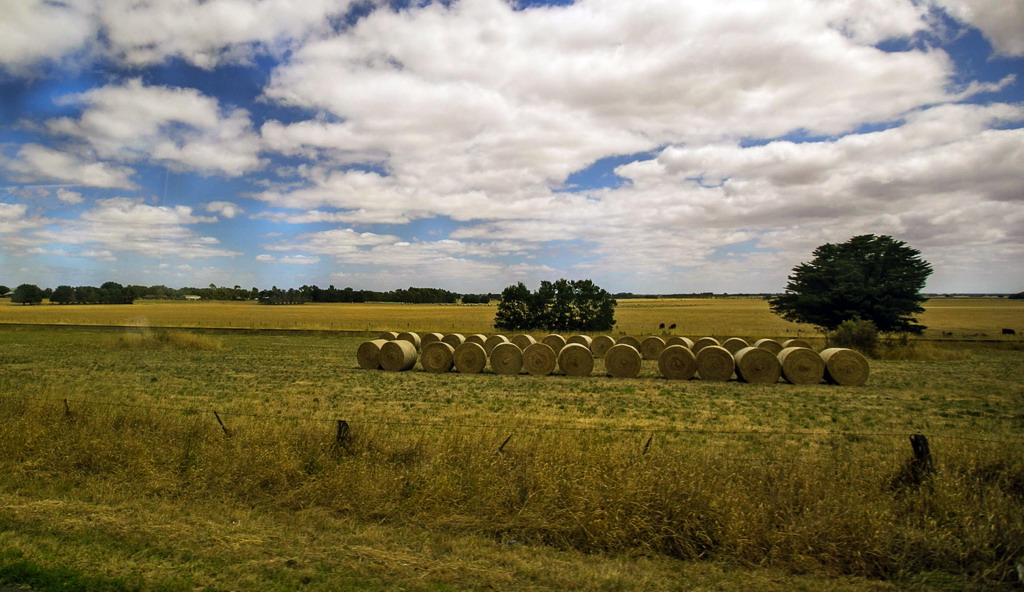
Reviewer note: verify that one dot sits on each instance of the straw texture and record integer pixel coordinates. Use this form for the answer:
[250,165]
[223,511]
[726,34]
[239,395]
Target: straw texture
[845,367]
[715,363]
[677,362]
[470,358]
[437,356]
[507,358]
[755,364]
[575,359]
[801,365]
[650,347]
[600,345]
[623,361]
[398,355]
[368,354]
[539,359]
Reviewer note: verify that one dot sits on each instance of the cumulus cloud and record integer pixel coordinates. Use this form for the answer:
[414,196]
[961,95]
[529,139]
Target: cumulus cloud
[1000,22]
[36,163]
[179,127]
[33,30]
[69,197]
[226,209]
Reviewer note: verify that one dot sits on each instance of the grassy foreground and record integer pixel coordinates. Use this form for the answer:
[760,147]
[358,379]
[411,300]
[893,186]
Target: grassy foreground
[604,484]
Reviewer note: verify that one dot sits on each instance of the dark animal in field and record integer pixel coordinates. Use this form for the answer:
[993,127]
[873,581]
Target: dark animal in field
[661,326]
[947,333]
[672,326]
[1009,332]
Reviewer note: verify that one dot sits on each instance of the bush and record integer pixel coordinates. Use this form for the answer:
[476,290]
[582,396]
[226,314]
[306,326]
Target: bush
[855,334]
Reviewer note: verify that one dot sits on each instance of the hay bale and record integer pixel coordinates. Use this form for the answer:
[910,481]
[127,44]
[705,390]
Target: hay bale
[704,342]
[629,340]
[714,362]
[477,338]
[428,338]
[769,344]
[523,341]
[507,358]
[599,345]
[650,347]
[623,361]
[470,358]
[801,365]
[683,341]
[438,356]
[677,362]
[555,341]
[539,359]
[796,343]
[575,359]
[413,338]
[493,342]
[735,344]
[387,336]
[584,340]
[368,354]
[398,355]
[845,367]
[454,339]
[755,364]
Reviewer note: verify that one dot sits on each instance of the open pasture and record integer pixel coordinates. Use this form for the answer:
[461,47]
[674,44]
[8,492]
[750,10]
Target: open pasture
[488,480]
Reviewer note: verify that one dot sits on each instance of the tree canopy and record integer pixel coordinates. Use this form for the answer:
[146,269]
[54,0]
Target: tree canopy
[869,277]
[27,294]
[560,306]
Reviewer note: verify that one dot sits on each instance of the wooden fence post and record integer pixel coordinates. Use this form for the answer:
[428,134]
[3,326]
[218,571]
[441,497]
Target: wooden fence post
[341,439]
[227,432]
[501,448]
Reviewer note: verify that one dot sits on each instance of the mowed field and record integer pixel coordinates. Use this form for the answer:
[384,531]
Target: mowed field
[957,318]
[118,475]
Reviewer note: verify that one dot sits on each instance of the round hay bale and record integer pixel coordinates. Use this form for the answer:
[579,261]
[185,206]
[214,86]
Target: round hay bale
[599,345]
[650,347]
[555,341]
[470,358]
[413,338]
[477,338]
[575,359]
[507,358]
[623,361]
[735,344]
[428,338]
[368,354]
[437,356]
[755,364]
[769,344]
[845,367]
[398,355]
[801,365]
[493,342]
[584,340]
[454,339]
[388,336]
[683,341]
[677,362]
[796,343]
[714,362]
[704,342]
[539,359]
[629,340]
[523,341]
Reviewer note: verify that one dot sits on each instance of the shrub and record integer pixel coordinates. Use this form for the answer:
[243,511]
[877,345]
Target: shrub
[855,334]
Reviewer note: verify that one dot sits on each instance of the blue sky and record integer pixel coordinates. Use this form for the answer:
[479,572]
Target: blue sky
[652,147]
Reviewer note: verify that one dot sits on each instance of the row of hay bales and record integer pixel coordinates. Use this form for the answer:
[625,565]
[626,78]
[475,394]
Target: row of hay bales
[678,358]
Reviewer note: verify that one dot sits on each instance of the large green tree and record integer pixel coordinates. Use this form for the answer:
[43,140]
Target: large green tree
[27,294]
[556,306]
[869,277]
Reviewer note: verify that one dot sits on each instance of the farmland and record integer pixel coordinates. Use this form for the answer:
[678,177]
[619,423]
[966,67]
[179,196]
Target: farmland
[116,467]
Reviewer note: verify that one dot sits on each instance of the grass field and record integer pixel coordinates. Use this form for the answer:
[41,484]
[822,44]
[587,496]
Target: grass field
[118,476]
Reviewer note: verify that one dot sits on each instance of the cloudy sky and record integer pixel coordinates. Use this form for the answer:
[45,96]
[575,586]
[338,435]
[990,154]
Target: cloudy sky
[652,146]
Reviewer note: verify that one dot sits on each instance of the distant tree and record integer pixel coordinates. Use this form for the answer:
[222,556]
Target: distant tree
[63,295]
[114,293]
[4,290]
[559,306]
[27,294]
[1017,296]
[871,278]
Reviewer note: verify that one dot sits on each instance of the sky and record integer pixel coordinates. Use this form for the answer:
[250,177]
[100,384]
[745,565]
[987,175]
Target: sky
[653,146]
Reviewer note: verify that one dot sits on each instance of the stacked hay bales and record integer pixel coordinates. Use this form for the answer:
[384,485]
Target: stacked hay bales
[555,341]
[629,340]
[704,342]
[398,355]
[715,363]
[523,341]
[755,364]
[600,345]
[491,342]
[368,354]
[845,367]
[477,338]
[769,344]
[470,358]
[575,359]
[428,338]
[623,361]
[388,336]
[677,362]
[454,339]
[651,347]
[683,341]
[801,365]
[413,338]
[539,359]
[795,343]
[438,357]
[506,358]
[734,344]
[584,340]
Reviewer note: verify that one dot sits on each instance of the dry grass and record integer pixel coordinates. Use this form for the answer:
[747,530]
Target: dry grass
[182,340]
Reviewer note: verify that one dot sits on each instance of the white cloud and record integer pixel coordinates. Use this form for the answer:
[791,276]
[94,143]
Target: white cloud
[293,260]
[69,197]
[179,127]
[226,209]
[38,163]
[33,30]
[1001,21]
